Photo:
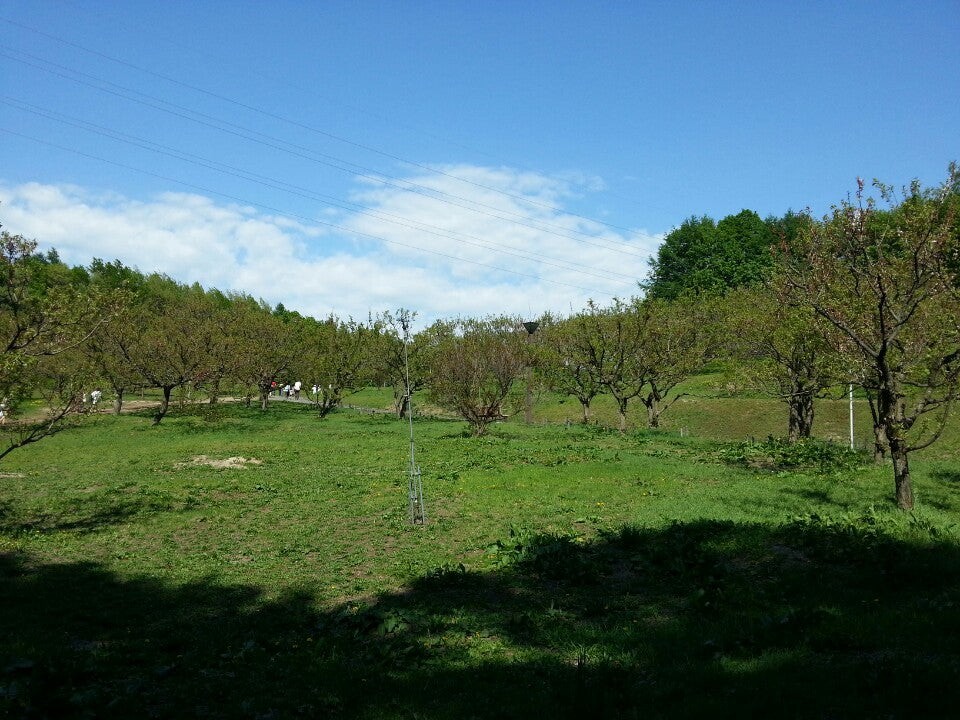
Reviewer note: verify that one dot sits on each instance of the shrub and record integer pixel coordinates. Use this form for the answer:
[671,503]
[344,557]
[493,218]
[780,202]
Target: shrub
[778,454]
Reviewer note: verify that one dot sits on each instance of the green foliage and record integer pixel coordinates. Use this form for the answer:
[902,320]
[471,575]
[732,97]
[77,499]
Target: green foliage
[882,280]
[473,366]
[678,265]
[639,573]
[779,454]
[47,311]
[703,257]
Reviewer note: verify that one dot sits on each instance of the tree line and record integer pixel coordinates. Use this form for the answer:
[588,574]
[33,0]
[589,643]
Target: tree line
[795,306]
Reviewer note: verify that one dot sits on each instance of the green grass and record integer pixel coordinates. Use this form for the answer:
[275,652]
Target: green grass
[564,570]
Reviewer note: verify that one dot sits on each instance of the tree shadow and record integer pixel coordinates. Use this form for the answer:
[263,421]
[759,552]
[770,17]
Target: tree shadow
[82,516]
[946,476]
[820,497]
[814,619]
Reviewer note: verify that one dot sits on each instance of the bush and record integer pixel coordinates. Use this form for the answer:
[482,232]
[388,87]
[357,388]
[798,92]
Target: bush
[778,454]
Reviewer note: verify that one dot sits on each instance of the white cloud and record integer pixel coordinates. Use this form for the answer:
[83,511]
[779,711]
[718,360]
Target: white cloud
[465,241]
[497,217]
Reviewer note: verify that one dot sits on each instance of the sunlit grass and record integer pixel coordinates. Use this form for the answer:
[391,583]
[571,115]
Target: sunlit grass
[563,569]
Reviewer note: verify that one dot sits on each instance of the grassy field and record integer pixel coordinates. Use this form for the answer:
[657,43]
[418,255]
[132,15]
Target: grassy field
[564,570]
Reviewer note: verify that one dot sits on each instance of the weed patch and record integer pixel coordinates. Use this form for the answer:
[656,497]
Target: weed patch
[778,454]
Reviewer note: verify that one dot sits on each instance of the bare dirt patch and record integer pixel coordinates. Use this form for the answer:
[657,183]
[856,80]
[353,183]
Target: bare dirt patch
[230,463]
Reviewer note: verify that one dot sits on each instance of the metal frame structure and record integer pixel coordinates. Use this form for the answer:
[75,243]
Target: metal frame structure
[415,509]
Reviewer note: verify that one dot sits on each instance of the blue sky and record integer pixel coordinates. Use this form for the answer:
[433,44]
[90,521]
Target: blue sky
[450,157]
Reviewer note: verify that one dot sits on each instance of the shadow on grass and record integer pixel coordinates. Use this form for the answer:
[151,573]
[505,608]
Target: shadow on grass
[814,619]
[820,497]
[226,409]
[81,516]
[946,476]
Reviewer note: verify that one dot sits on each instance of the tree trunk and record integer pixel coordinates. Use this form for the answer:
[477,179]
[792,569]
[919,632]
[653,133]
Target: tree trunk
[264,394]
[622,412]
[118,401]
[800,424]
[891,413]
[880,444]
[215,391]
[326,403]
[402,406]
[901,473]
[164,405]
[585,406]
[653,413]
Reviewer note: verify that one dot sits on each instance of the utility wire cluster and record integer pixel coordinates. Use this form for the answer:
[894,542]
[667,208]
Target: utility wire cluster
[230,129]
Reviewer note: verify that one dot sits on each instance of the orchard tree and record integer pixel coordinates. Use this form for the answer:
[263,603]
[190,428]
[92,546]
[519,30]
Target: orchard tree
[176,334]
[886,282]
[110,349]
[563,366]
[608,340]
[47,310]
[223,348]
[392,351]
[782,351]
[641,349]
[676,339]
[333,355]
[266,346]
[474,365]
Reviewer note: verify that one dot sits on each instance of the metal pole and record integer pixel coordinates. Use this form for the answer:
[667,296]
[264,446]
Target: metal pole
[415,482]
[851,416]
[531,328]
[528,398]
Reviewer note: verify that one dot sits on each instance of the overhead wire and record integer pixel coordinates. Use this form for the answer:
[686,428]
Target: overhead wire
[293,216]
[304,126]
[302,152]
[402,185]
[306,192]
[431,169]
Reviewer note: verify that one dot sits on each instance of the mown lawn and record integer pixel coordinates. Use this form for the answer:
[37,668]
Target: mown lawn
[564,570]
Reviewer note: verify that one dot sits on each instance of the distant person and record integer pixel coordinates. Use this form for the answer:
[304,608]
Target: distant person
[296,390]
[286,391]
[95,397]
[3,411]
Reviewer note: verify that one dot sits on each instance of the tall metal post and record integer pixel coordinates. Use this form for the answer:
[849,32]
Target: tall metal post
[415,508]
[531,327]
[851,416]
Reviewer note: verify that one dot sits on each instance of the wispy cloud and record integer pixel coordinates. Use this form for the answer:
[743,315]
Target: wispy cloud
[463,241]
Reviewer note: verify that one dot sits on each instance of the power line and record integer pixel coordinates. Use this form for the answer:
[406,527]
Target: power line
[295,216]
[304,152]
[305,192]
[303,126]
